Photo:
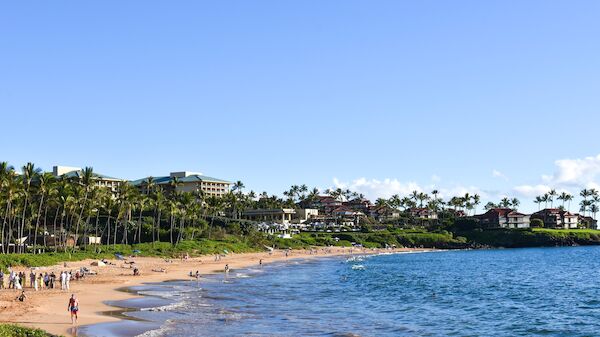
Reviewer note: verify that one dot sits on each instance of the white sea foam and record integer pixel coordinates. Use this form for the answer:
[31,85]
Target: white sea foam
[162,331]
[358,267]
[168,307]
[359,258]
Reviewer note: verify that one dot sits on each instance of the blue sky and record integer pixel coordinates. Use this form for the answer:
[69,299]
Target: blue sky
[482,96]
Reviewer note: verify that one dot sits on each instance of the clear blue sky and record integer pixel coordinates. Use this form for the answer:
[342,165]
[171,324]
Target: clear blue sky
[459,95]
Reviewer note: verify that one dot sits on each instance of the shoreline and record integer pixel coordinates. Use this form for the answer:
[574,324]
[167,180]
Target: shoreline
[43,309]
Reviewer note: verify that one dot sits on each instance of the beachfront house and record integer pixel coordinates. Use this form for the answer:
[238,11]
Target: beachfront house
[503,218]
[187,181]
[557,218]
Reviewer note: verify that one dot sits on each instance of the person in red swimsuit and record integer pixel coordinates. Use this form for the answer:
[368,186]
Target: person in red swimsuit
[73,308]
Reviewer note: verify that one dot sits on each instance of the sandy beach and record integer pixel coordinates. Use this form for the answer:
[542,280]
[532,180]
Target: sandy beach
[47,309]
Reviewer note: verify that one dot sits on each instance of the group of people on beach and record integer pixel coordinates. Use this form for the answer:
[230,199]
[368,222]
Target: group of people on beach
[17,280]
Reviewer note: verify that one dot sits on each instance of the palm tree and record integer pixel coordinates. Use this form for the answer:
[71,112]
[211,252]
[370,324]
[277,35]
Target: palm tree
[515,203]
[43,185]
[86,180]
[565,197]
[594,209]
[422,197]
[29,173]
[551,196]
[538,200]
[585,193]
[545,199]
[476,201]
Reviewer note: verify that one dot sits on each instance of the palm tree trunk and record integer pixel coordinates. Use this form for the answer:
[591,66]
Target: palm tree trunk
[108,226]
[37,224]
[22,226]
[54,230]
[139,236]
[4,220]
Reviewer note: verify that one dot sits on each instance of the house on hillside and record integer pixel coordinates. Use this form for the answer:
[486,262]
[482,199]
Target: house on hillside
[557,218]
[383,213]
[587,221]
[326,204]
[358,204]
[423,213]
[347,217]
[503,218]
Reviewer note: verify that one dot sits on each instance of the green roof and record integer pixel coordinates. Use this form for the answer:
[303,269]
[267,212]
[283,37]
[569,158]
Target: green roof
[77,174]
[191,178]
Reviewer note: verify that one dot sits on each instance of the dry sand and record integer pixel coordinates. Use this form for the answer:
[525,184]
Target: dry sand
[47,309]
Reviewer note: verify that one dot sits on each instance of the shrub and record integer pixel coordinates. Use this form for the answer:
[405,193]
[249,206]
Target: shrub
[537,223]
[11,330]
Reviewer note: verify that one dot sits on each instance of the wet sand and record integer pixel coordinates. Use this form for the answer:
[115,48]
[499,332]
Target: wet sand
[47,309]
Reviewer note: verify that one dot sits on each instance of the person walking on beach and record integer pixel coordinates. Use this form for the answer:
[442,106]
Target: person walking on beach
[1,279]
[11,280]
[226,268]
[31,279]
[63,280]
[67,280]
[52,279]
[17,282]
[73,308]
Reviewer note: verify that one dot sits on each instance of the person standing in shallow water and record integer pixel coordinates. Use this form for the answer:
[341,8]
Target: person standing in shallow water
[73,308]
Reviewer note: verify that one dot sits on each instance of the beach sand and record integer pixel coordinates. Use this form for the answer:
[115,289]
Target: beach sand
[47,309]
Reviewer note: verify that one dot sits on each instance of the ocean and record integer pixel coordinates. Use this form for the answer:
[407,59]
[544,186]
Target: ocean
[504,292]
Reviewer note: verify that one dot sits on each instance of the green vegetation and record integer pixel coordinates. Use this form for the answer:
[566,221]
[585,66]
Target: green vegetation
[230,243]
[532,237]
[377,239]
[11,330]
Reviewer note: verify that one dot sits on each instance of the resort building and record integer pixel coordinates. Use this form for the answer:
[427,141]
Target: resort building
[100,180]
[276,215]
[557,218]
[187,182]
[503,218]
[304,214]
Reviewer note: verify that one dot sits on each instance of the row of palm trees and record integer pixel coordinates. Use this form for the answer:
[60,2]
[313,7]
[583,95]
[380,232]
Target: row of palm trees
[588,205]
[34,204]
[467,203]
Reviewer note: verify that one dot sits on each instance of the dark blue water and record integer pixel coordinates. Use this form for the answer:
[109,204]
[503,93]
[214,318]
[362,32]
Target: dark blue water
[517,292]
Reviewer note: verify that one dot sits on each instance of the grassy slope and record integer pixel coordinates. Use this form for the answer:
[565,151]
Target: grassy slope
[536,237]
[405,238]
[231,244]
